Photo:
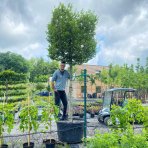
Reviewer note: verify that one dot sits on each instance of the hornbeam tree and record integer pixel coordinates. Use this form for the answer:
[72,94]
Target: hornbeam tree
[71,36]
[9,77]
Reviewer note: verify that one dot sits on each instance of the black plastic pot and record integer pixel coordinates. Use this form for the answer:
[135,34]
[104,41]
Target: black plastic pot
[4,146]
[49,143]
[39,117]
[92,115]
[25,145]
[70,132]
[81,115]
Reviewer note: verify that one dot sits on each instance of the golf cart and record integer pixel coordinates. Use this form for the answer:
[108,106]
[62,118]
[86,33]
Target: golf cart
[117,96]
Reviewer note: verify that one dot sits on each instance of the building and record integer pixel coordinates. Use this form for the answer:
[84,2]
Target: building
[93,90]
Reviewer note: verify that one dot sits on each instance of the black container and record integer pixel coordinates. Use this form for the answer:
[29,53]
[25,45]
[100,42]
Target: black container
[70,132]
[49,143]
[25,145]
[92,115]
[81,115]
[4,146]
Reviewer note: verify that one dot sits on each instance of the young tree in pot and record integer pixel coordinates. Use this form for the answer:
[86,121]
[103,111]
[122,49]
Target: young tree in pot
[92,111]
[71,38]
[6,119]
[28,121]
[49,113]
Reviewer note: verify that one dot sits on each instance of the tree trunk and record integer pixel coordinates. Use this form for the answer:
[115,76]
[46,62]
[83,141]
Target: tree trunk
[29,121]
[6,90]
[70,94]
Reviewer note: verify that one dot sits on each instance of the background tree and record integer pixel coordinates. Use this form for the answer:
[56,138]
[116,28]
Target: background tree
[146,66]
[92,80]
[13,62]
[40,69]
[9,77]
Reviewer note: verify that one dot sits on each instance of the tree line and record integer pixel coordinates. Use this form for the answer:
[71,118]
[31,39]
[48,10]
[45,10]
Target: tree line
[133,76]
[14,67]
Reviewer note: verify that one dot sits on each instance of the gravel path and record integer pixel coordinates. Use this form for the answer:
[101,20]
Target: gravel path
[18,137]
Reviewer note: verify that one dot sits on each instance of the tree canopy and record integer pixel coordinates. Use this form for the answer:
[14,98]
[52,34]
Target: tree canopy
[71,35]
[40,70]
[14,62]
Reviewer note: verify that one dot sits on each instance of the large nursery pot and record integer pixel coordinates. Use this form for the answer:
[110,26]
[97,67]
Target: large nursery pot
[50,143]
[25,145]
[70,132]
[4,146]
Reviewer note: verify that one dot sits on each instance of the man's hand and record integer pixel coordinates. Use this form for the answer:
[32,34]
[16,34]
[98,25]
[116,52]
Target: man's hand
[53,87]
[55,90]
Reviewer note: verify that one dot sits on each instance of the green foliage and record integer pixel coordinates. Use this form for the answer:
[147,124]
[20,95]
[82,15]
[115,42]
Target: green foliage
[136,110]
[122,134]
[40,86]
[118,140]
[131,113]
[127,76]
[49,113]
[13,87]
[71,35]
[130,139]
[14,93]
[13,62]
[53,65]
[40,70]
[41,78]
[16,99]
[28,118]
[106,140]
[9,76]
[6,117]
[122,115]
[145,121]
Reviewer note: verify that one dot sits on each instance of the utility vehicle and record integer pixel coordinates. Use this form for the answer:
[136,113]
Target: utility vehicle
[118,96]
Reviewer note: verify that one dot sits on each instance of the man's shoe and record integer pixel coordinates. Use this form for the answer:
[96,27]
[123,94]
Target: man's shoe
[59,115]
[64,118]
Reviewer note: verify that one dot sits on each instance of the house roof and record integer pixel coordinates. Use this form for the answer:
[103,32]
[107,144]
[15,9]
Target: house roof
[91,69]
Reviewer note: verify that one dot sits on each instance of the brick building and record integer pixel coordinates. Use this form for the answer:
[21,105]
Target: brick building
[94,90]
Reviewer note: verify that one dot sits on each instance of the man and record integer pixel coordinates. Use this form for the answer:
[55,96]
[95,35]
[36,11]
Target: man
[58,84]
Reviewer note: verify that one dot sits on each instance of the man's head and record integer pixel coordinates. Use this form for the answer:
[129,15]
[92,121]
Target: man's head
[62,65]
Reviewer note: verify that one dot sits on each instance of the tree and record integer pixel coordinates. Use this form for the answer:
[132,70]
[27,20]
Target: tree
[53,65]
[13,62]
[146,66]
[92,80]
[41,69]
[71,35]
[9,77]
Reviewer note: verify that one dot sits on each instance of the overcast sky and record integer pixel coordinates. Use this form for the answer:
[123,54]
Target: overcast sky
[121,33]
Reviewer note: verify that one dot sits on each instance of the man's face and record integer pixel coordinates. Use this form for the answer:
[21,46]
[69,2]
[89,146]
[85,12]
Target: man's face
[62,66]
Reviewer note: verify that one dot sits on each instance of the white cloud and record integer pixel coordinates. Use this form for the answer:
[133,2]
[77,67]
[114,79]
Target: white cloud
[121,33]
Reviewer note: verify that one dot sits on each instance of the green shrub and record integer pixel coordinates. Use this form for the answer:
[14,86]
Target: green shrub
[122,132]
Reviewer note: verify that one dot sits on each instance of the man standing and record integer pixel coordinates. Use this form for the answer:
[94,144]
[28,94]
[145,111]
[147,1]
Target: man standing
[58,83]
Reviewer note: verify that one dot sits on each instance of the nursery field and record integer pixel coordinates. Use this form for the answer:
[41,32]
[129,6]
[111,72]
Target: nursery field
[16,138]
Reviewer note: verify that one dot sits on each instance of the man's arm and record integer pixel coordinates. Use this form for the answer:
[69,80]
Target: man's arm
[54,78]
[68,75]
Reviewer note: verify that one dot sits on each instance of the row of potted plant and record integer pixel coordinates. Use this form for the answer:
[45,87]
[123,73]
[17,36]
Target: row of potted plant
[28,117]
[79,110]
